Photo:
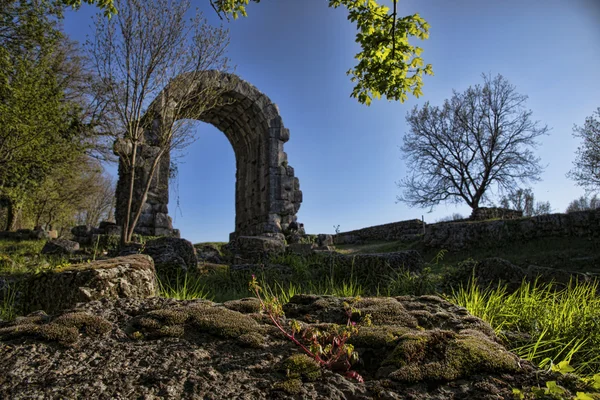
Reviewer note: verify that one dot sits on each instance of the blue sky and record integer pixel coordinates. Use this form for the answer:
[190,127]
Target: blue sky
[347,155]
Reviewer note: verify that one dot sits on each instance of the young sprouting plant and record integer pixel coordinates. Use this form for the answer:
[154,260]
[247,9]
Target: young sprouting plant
[328,348]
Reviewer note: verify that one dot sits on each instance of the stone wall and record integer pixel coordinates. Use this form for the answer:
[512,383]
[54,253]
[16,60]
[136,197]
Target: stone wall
[267,195]
[483,213]
[28,234]
[387,232]
[461,235]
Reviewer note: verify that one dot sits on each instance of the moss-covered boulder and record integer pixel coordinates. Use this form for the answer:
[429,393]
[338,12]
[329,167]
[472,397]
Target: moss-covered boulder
[165,348]
[435,355]
[121,277]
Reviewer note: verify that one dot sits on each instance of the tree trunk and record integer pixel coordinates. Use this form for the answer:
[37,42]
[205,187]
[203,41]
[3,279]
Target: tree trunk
[145,193]
[11,215]
[125,235]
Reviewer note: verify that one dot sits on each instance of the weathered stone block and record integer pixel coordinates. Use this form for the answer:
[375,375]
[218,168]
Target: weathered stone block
[253,247]
[324,240]
[297,197]
[171,255]
[303,249]
[39,234]
[112,230]
[162,221]
[60,246]
[81,230]
[146,220]
[131,277]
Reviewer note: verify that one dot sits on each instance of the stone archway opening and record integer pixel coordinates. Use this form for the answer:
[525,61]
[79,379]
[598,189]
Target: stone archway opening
[267,193]
[202,191]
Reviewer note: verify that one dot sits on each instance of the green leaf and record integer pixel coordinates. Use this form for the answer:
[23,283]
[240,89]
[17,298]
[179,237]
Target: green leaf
[553,388]
[563,367]
[518,394]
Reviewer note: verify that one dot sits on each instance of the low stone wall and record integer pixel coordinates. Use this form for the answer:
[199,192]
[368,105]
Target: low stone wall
[461,235]
[388,232]
[28,234]
[483,213]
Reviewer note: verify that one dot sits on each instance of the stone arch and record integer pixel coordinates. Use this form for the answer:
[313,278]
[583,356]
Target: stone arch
[267,194]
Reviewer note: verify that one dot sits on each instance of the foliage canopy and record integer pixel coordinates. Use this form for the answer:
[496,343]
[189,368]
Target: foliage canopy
[40,127]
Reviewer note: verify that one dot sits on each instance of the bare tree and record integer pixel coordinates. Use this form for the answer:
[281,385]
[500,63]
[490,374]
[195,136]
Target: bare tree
[586,171]
[584,203]
[477,139]
[100,202]
[155,64]
[524,200]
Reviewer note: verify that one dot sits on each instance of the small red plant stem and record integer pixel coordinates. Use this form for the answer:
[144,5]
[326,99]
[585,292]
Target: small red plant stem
[292,338]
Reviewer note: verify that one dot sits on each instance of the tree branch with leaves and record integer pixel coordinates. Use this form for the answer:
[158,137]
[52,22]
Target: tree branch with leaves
[388,65]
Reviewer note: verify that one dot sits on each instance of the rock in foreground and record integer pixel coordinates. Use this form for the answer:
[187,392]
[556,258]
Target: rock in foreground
[418,348]
[51,291]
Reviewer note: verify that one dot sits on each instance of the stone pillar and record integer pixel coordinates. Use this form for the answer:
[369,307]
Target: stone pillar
[154,219]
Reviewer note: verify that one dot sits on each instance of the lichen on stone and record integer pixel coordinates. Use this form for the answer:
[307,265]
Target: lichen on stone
[253,339]
[171,316]
[223,322]
[92,325]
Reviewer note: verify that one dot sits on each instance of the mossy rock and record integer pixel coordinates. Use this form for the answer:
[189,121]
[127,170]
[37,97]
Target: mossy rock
[290,386]
[377,337]
[301,366]
[386,311]
[445,355]
[253,339]
[203,317]
[245,306]
[64,329]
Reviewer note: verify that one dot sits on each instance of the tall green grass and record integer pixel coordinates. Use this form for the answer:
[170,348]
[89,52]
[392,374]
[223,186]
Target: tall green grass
[555,323]
[286,275]
[183,287]
[7,303]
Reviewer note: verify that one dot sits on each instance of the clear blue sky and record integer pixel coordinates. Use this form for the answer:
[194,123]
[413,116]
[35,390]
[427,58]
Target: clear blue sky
[347,155]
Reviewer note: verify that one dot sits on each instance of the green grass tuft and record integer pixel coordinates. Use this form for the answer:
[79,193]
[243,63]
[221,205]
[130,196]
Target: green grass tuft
[554,324]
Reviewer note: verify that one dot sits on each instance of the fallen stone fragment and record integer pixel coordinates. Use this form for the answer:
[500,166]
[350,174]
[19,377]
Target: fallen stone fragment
[60,247]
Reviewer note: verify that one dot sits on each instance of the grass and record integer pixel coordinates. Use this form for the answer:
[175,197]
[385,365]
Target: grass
[217,245]
[556,324]
[376,247]
[7,309]
[188,287]
[21,247]
[23,257]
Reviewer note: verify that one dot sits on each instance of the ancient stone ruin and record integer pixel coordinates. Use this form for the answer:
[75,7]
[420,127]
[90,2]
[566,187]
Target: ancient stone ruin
[267,195]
